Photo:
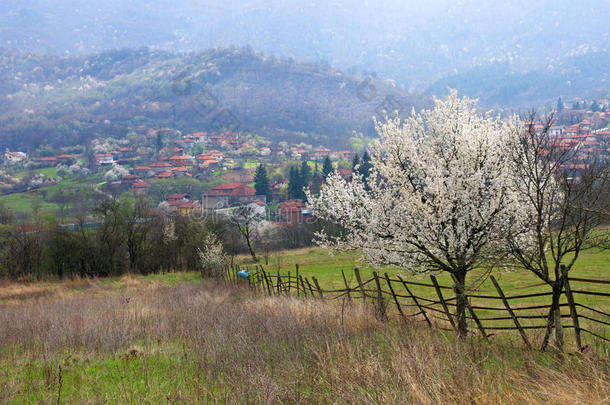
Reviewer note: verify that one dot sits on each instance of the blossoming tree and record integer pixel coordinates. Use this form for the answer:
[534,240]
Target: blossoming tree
[441,199]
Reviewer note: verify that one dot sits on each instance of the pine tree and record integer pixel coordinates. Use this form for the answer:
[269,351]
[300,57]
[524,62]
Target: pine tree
[559,105]
[356,161]
[261,182]
[295,187]
[594,106]
[365,167]
[305,173]
[327,167]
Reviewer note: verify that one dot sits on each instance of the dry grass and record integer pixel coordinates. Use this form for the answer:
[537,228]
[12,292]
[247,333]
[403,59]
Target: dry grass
[208,343]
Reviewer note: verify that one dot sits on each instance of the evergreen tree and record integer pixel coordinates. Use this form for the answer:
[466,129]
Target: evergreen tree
[559,105]
[305,173]
[594,106]
[159,142]
[261,182]
[365,167]
[356,161]
[295,187]
[327,167]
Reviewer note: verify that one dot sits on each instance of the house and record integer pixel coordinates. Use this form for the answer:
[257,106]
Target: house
[319,154]
[346,155]
[12,158]
[178,197]
[292,211]
[129,179]
[179,160]
[179,171]
[346,174]
[139,187]
[141,171]
[104,159]
[164,175]
[66,159]
[258,208]
[159,167]
[47,161]
[225,195]
[186,208]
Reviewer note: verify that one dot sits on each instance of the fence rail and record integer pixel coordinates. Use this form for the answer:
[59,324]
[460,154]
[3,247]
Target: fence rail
[433,303]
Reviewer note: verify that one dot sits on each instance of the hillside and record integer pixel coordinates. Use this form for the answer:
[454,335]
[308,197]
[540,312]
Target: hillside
[67,100]
[412,42]
[499,85]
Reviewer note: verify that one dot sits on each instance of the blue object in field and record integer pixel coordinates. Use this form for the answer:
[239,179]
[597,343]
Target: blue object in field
[243,273]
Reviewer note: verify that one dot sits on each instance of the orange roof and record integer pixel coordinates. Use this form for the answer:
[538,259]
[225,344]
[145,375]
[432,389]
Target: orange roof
[139,184]
[160,164]
[233,189]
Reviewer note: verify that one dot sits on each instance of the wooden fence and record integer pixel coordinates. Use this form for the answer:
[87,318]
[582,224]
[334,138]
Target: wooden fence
[490,311]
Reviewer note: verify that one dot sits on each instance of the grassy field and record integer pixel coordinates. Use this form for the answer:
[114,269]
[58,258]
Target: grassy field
[593,264]
[175,339]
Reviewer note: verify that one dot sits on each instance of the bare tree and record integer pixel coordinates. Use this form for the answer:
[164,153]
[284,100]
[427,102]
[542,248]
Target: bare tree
[564,189]
[245,219]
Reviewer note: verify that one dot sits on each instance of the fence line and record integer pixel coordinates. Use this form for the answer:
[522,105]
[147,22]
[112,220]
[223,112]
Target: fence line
[409,304]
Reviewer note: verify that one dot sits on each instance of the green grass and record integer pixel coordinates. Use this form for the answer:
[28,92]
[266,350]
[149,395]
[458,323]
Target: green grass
[22,202]
[592,264]
[327,266]
[47,171]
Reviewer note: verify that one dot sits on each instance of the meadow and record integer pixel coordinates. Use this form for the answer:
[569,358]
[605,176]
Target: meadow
[176,339]
[592,265]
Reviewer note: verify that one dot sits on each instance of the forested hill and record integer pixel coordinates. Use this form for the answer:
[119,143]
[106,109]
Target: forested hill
[65,100]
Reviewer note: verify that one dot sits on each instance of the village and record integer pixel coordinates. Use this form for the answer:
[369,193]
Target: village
[222,163]
[199,173]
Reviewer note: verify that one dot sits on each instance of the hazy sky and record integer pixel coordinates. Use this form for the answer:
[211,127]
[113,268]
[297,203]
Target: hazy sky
[413,41]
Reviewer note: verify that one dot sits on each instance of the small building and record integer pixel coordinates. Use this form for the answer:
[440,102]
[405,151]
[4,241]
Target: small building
[104,159]
[13,158]
[164,175]
[139,187]
[225,195]
[47,161]
[292,211]
[159,167]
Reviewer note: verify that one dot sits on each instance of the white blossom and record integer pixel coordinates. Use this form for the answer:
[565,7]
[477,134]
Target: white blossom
[438,197]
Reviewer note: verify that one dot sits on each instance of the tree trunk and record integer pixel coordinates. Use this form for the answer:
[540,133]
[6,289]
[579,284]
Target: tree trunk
[461,304]
[554,329]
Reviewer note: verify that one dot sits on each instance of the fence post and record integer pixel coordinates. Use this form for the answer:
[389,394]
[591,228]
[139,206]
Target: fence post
[279,282]
[357,273]
[349,297]
[267,282]
[296,280]
[315,281]
[303,288]
[310,288]
[573,314]
[381,310]
[443,303]
[414,298]
[387,279]
[510,311]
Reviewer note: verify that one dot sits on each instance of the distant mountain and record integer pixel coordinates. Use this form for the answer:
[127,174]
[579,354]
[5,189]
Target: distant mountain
[63,100]
[498,85]
[412,42]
